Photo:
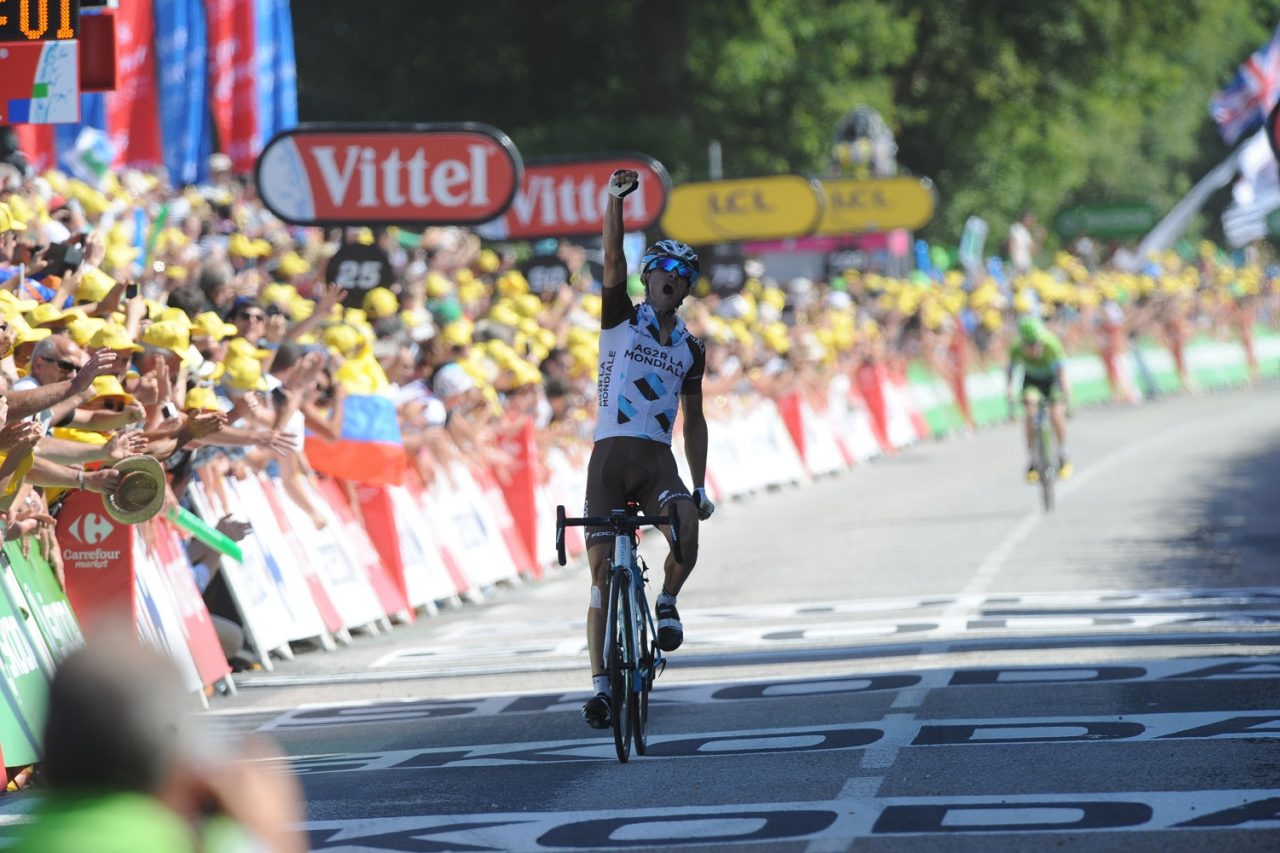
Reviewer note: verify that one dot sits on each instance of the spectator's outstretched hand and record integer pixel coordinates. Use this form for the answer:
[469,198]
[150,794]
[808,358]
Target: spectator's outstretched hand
[18,438]
[122,445]
[205,423]
[102,362]
[102,481]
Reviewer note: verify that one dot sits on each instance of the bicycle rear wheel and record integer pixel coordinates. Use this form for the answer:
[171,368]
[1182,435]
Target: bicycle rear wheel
[644,677]
[620,666]
[1047,471]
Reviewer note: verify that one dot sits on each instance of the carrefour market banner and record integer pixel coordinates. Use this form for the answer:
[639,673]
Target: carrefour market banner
[352,174]
[769,208]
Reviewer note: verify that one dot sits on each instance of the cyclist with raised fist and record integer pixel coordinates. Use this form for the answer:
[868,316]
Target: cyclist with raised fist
[650,366]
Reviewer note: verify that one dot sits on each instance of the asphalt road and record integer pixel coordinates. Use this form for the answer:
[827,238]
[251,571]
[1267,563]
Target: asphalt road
[909,656]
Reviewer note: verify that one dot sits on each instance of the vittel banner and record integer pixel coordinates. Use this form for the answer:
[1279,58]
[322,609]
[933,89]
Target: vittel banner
[567,197]
[436,174]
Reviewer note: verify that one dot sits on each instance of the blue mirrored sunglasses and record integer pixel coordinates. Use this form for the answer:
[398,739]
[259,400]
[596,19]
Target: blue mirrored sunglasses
[677,266]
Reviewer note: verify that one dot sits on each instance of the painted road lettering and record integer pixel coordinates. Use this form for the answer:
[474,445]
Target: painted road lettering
[839,821]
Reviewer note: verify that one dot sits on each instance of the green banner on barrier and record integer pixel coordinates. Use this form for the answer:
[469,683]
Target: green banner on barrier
[48,602]
[24,686]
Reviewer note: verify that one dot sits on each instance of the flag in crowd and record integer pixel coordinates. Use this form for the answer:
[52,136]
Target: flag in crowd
[369,449]
[190,72]
[1243,104]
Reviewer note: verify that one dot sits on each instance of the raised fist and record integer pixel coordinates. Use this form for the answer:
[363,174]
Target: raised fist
[623,182]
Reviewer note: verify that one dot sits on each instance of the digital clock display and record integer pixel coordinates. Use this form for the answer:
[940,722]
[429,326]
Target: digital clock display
[39,20]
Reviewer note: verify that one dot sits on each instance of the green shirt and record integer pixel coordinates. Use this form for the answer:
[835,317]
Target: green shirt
[118,823]
[1043,365]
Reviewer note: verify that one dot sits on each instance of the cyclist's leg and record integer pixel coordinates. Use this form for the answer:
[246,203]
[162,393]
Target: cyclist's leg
[663,490]
[1058,417]
[1031,398]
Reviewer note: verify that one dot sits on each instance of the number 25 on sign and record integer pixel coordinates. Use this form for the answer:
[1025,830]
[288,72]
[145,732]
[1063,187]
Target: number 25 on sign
[30,18]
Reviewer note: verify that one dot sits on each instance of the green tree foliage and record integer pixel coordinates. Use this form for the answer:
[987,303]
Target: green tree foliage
[1007,105]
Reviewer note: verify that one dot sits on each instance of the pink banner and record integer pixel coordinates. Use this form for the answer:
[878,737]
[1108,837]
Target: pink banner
[133,109]
[233,81]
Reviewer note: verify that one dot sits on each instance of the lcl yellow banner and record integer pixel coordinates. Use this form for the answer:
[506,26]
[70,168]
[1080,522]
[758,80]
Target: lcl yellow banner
[748,209]
[880,204]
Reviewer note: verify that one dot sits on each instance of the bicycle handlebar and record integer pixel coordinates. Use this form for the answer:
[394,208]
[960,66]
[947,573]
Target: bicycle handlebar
[619,521]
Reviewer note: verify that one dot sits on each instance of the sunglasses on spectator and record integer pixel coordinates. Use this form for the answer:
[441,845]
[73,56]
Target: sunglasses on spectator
[256,316]
[62,364]
[674,265]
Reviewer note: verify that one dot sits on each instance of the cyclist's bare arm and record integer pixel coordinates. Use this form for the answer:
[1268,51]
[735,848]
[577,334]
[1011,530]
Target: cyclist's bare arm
[615,262]
[695,437]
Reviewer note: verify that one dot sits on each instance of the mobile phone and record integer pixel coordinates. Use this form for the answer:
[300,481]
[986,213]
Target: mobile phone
[131,290]
[169,410]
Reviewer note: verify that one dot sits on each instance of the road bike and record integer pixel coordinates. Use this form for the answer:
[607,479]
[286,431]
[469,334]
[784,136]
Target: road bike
[631,649]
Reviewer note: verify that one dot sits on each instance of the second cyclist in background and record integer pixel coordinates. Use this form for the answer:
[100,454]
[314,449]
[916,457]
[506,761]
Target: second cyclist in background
[1044,382]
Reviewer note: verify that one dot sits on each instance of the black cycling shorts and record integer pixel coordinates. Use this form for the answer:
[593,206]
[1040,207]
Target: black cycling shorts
[623,468]
[1042,389]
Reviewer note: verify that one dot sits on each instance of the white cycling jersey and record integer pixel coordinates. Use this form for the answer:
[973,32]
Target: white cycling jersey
[641,379]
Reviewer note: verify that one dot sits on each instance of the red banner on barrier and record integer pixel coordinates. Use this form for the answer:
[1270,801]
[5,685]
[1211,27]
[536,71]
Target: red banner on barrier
[520,490]
[97,557]
[202,639]
[380,523]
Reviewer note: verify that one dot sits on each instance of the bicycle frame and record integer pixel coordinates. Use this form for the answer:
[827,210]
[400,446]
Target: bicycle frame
[632,655]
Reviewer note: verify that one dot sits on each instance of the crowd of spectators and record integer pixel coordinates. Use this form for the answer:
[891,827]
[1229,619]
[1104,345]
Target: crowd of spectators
[192,325]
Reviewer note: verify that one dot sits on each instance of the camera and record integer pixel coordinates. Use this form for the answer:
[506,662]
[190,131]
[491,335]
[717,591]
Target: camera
[63,258]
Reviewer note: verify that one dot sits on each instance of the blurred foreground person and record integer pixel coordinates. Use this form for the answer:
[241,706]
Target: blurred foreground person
[127,769]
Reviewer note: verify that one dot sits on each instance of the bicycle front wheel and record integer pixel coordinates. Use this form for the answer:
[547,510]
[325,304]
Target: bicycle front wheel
[1047,471]
[644,681]
[620,665]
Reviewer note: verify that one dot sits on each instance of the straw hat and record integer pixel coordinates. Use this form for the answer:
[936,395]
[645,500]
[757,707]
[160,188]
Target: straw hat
[141,491]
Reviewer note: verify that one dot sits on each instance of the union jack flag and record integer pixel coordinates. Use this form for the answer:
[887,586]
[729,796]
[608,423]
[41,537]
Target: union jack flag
[1242,105]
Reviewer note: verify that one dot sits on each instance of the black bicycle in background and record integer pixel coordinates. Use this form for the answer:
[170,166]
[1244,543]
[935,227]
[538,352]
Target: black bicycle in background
[631,649]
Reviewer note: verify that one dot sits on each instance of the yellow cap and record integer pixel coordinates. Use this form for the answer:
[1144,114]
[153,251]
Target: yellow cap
[46,313]
[94,284]
[238,348]
[20,212]
[169,335]
[82,329]
[202,399]
[27,334]
[342,339]
[9,301]
[210,325]
[291,264]
[113,337]
[380,302]
[174,315]
[109,386]
[244,374]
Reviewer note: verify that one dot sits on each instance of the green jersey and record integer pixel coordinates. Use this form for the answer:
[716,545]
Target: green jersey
[1044,364]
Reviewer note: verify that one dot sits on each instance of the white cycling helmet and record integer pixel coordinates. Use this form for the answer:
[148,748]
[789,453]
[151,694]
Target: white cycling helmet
[671,249]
